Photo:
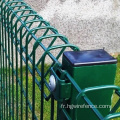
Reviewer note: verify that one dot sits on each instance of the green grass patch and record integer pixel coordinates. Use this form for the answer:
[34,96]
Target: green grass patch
[115,98]
[47,104]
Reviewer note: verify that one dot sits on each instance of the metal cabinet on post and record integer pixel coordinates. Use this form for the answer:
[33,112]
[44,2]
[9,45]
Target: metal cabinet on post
[90,68]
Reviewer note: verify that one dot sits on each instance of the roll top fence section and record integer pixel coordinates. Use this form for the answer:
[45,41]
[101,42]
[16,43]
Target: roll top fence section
[26,41]
[30,59]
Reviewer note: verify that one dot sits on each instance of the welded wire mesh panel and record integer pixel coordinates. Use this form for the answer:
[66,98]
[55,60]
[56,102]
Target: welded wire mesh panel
[30,49]
[27,42]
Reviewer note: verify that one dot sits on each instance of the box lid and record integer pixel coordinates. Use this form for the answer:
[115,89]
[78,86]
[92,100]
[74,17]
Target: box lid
[89,57]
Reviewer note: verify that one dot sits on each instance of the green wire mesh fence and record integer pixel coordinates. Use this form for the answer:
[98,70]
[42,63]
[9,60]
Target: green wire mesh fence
[27,43]
[24,35]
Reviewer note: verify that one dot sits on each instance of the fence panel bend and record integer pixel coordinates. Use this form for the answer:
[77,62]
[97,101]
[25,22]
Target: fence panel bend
[30,54]
[24,83]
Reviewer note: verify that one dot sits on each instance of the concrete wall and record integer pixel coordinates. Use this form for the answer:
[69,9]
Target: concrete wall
[89,24]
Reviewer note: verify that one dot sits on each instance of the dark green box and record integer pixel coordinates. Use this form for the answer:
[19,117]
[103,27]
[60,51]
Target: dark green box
[90,68]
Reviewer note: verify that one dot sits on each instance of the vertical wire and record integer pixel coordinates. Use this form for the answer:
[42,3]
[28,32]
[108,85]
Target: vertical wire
[21,74]
[3,36]
[9,54]
[33,90]
[12,55]
[6,89]
[16,55]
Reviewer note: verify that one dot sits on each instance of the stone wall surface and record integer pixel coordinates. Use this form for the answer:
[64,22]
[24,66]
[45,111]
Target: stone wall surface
[89,24]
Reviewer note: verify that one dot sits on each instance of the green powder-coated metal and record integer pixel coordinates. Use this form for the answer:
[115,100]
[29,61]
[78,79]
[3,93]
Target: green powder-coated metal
[89,76]
[26,42]
[19,41]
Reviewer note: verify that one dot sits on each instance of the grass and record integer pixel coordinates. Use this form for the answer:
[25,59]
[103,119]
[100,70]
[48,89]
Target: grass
[117,82]
[47,104]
